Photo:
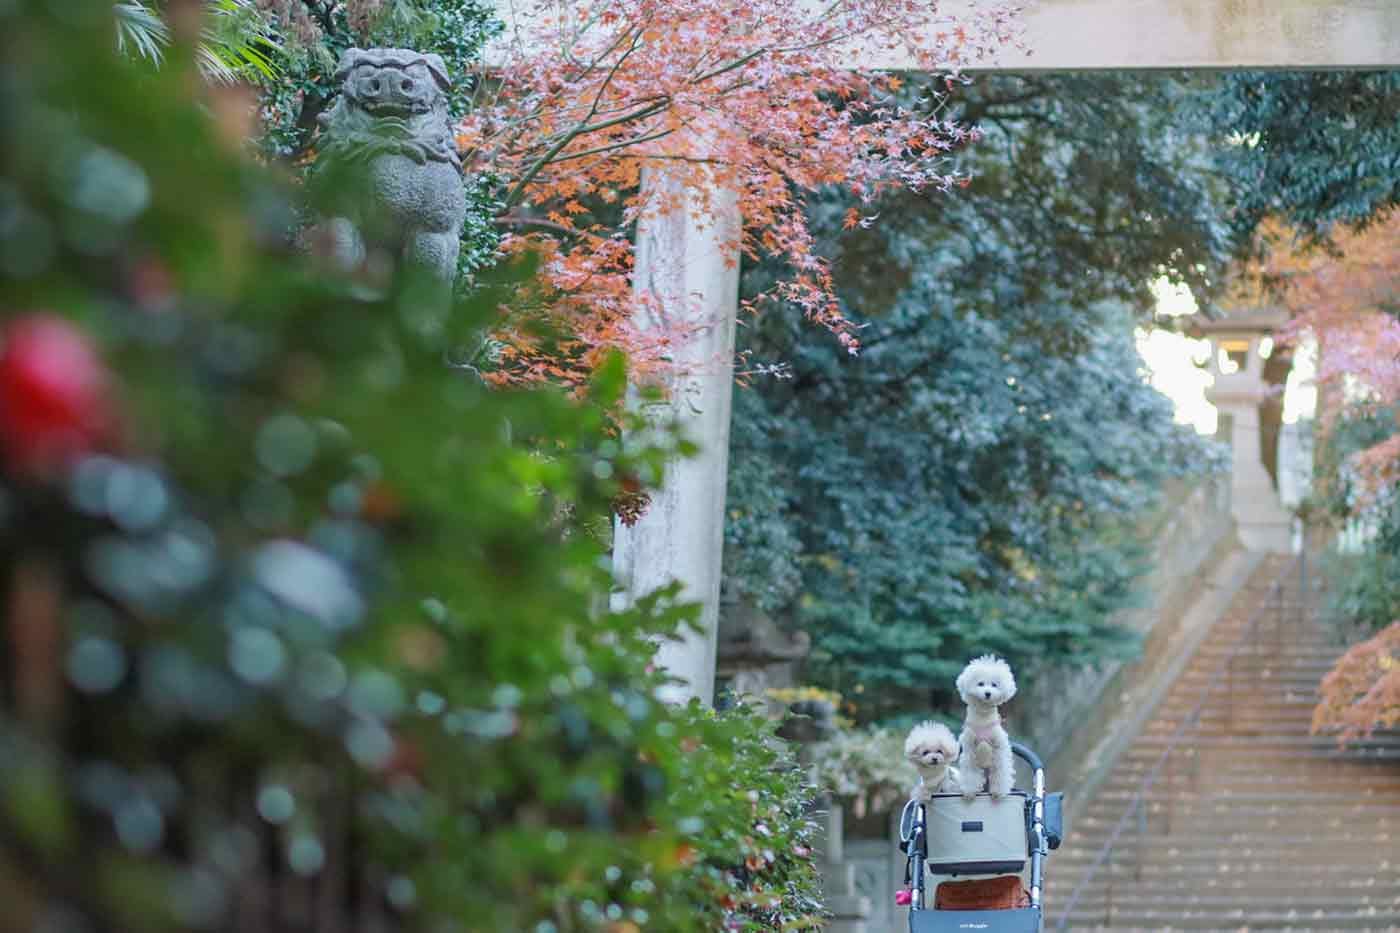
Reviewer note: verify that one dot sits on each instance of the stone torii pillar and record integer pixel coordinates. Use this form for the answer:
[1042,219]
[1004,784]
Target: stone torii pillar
[692,282]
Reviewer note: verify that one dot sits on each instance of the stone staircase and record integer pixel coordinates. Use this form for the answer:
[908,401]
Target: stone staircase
[1248,822]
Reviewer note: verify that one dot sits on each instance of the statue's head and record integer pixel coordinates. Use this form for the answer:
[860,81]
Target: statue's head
[393,82]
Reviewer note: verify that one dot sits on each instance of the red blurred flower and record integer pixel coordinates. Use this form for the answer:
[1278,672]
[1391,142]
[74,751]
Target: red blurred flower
[54,394]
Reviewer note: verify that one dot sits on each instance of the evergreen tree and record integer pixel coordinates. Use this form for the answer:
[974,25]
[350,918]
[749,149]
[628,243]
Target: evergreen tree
[1311,149]
[973,481]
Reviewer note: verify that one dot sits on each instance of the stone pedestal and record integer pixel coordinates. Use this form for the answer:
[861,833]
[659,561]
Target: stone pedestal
[850,910]
[754,654]
[1263,523]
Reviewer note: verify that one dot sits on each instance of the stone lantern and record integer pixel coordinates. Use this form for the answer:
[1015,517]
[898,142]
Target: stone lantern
[1249,373]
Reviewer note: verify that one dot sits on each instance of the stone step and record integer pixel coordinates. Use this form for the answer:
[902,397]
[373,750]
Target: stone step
[1284,707]
[1126,891]
[1264,881]
[1234,848]
[1250,804]
[1296,704]
[1140,758]
[1253,746]
[1291,638]
[1292,659]
[1184,825]
[1279,715]
[1255,823]
[1236,774]
[1248,721]
[1211,928]
[1180,857]
[1190,894]
[1264,672]
[1344,779]
[1274,657]
[1234,921]
[1261,845]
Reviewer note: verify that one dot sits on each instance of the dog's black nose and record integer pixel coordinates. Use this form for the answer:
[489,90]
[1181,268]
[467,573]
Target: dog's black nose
[987,694]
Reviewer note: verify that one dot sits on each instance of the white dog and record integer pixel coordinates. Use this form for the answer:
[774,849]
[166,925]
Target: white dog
[984,685]
[931,749]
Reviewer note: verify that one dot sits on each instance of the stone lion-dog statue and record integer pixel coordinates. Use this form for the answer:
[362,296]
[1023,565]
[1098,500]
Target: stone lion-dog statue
[388,163]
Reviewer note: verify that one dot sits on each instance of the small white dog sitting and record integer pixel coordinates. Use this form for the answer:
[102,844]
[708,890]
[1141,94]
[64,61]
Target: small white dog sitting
[984,685]
[931,749]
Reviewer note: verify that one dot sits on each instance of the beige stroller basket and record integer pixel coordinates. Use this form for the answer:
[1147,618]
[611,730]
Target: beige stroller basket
[981,836]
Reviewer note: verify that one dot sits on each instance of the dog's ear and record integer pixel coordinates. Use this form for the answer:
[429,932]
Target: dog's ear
[963,680]
[1010,681]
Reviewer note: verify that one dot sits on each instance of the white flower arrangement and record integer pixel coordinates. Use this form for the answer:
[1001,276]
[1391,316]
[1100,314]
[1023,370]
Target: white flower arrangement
[864,768]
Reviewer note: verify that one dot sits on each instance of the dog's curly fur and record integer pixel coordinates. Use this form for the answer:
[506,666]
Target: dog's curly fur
[985,684]
[931,749]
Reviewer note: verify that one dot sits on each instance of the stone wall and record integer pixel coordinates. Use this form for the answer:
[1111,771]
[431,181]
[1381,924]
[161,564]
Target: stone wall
[1063,710]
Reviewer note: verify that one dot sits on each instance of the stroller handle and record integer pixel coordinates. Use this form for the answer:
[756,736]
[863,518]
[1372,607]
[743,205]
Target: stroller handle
[1039,846]
[1028,756]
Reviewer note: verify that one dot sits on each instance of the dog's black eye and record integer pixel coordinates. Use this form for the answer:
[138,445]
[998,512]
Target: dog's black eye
[994,683]
[981,683]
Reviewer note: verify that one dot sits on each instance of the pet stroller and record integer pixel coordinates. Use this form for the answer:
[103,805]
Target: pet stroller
[983,836]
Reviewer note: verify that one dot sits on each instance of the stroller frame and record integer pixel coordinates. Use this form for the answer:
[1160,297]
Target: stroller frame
[914,842]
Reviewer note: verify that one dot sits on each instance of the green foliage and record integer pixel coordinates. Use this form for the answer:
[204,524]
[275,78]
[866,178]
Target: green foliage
[237,42]
[1364,587]
[753,868]
[1310,148]
[325,619]
[973,481]
[1353,431]
[313,38]
[140,30]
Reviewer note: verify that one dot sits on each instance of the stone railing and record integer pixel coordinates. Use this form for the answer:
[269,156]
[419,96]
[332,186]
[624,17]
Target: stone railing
[1062,710]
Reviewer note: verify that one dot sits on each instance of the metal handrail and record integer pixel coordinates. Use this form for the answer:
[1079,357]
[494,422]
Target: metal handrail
[1192,718]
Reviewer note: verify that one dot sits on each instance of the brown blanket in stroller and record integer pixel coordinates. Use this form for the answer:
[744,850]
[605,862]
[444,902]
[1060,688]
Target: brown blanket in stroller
[1001,893]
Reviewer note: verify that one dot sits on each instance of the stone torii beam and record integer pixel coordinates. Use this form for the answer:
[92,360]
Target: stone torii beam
[679,260]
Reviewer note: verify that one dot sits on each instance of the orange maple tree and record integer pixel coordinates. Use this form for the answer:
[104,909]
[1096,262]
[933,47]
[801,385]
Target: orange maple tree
[1362,692]
[1346,298]
[757,99]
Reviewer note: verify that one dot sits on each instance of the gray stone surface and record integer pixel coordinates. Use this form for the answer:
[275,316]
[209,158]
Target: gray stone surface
[1064,711]
[754,654]
[389,153]
[686,283]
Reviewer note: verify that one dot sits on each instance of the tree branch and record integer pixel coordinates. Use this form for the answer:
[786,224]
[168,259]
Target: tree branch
[516,220]
[581,130]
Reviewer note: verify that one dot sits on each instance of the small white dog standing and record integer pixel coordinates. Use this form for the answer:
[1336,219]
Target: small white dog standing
[931,749]
[985,684]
